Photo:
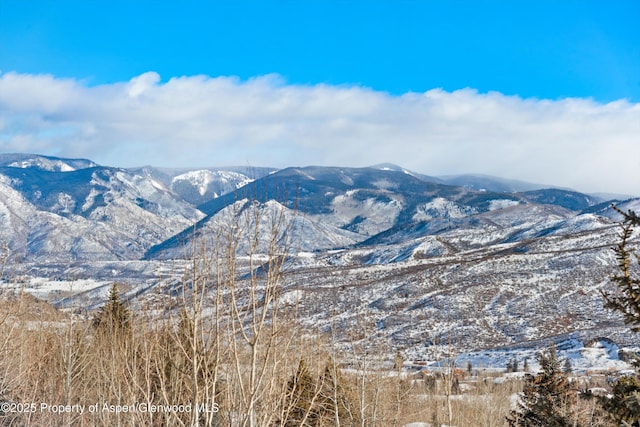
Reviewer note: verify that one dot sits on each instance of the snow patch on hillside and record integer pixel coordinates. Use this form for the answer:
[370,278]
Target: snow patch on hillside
[201,185]
[53,166]
[598,355]
[365,216]
[441,208]
[501,204]
[51,289]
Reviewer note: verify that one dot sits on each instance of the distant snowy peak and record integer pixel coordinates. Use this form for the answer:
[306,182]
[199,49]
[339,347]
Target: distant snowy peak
[201,185]
[44,163]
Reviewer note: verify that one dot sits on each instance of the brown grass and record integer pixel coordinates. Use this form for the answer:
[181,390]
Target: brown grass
[48,358]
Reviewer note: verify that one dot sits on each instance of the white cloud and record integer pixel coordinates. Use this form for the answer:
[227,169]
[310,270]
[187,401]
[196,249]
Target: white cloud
[202,121]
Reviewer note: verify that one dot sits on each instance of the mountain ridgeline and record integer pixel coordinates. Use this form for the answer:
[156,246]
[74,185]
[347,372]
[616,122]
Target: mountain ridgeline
[57,209]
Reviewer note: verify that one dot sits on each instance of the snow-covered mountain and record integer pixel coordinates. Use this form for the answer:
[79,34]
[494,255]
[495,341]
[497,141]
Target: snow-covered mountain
[46,163]
[127,212]
[407,258]
[363,201]
[198,185]
[88,213]
[374,203]
[57,209]
[499,282]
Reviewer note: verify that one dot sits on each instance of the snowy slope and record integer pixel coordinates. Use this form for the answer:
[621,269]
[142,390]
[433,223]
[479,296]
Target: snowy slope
[199,186]
[91,214]
[296,232]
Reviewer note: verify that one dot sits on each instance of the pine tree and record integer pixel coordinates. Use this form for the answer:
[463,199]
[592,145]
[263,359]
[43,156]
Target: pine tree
[625,403]
[316,402]
[547,400]
[627,300]
[336,398]
[301,399]
[623,406]
[114,315]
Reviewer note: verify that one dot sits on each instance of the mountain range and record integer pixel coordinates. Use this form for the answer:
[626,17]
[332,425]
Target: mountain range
[482,260]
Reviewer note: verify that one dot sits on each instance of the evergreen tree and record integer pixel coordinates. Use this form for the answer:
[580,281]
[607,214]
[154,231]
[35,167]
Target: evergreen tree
[547,400]
[315,402]
[114,315]
[627,300]
[623,406]
[625,403]
[336,397]
[301,399]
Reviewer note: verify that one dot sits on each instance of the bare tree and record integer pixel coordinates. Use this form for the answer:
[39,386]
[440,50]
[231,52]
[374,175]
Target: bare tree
[256,308]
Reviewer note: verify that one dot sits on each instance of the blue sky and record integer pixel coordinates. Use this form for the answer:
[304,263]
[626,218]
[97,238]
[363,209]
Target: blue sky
[544,49]
[495,87]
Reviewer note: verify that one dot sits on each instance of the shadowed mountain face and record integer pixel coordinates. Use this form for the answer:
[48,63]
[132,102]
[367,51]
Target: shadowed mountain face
[317,190]
[363,201]
[381,203]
